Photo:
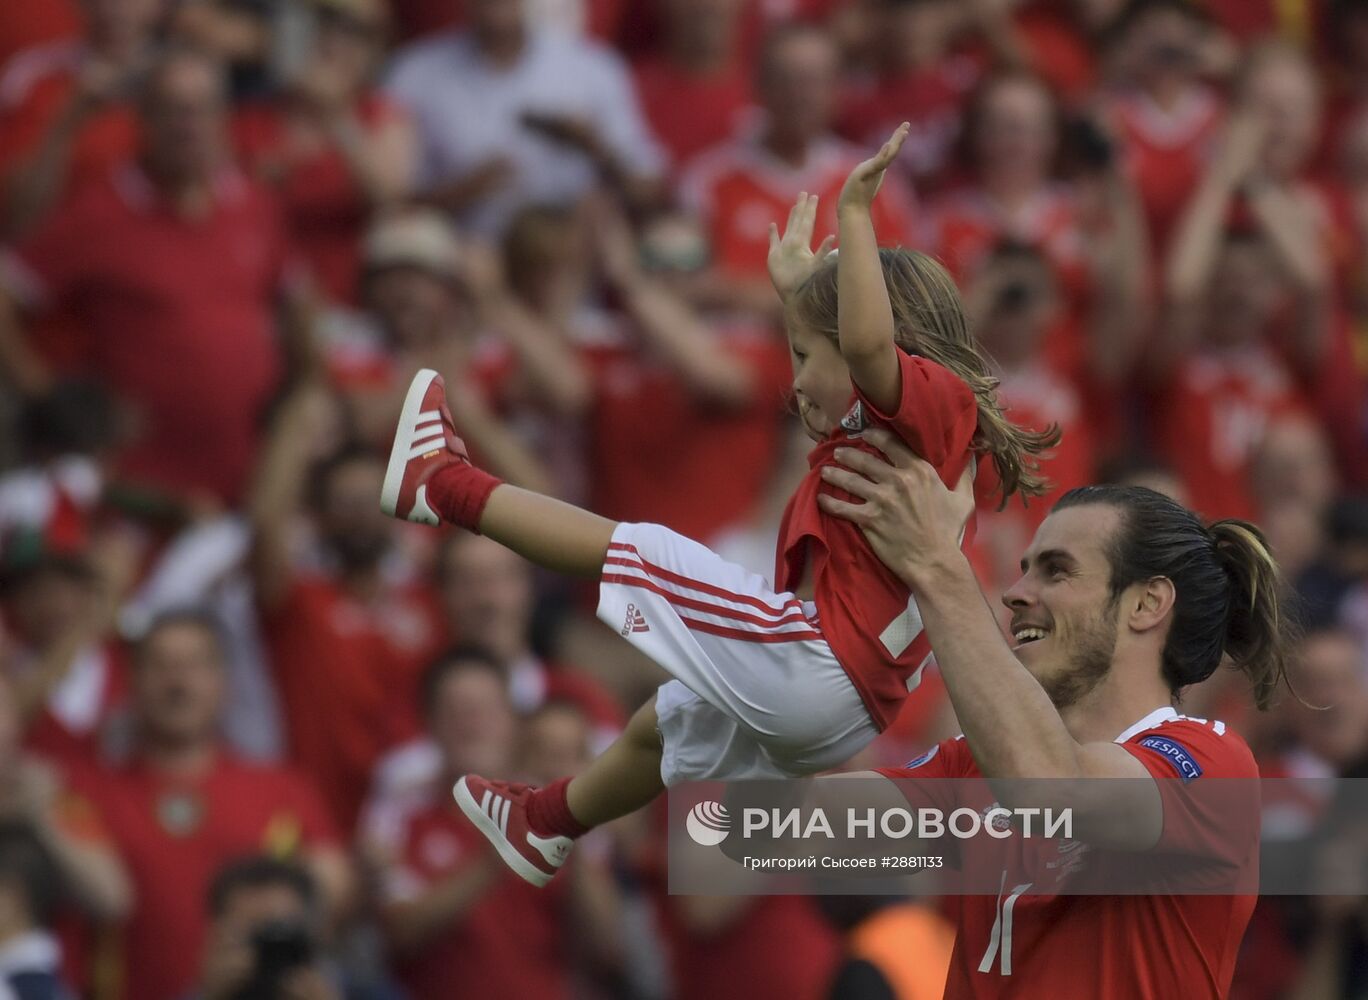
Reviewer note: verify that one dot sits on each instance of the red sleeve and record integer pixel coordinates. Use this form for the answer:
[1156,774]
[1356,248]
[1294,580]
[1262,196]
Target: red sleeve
[1208,784]
[936,415]
[947,759]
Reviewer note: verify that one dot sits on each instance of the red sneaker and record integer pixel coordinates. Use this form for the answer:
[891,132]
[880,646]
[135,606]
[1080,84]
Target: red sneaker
[499,811]
[424,442]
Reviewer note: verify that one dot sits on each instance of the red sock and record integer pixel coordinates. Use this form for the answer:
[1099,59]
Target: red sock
[458,493]
[548,812]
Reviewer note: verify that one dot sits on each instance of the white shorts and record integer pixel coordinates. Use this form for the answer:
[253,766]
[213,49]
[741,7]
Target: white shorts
[758,693]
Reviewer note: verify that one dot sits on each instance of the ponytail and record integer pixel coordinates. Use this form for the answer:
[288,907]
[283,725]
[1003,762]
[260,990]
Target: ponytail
[1257,635]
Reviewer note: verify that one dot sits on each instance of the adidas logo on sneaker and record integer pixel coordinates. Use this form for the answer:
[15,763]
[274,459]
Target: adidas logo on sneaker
[636,621]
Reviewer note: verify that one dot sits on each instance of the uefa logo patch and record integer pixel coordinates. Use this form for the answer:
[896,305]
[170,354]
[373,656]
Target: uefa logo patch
[708,823]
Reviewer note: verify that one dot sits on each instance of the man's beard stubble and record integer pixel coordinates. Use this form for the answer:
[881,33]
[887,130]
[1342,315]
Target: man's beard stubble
[1090,663]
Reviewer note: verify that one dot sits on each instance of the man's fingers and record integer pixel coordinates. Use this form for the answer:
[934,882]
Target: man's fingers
[773,237]
[843,509]
[849,481]
[826,246]
[871,467]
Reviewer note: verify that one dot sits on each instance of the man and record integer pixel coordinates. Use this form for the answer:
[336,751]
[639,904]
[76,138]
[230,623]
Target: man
[508,114]
[180,808]
[348,635]
[266,935]
[1125,600]
[453,914]
[173,263]
[739,188]
[64,112]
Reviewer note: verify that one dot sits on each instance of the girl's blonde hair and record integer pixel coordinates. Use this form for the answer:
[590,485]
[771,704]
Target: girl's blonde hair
[928,320]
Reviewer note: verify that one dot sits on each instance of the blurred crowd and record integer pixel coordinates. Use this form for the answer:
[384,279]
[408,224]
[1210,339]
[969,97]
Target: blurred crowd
[233,695]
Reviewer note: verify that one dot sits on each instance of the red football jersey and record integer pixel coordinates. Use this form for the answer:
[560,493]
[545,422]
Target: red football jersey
[1215,412]
[1165,151]
[174,833]
[1029,942]
[739,188]
[510,942]
[866,613]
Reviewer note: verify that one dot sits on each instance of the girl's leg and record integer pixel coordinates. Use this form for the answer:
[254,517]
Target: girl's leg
[553,534]
[624,777]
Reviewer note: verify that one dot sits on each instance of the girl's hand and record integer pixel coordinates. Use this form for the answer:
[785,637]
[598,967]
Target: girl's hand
[863,183]
[791,259]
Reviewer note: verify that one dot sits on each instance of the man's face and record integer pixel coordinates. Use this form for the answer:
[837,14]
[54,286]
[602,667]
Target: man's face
[1331,676]
[1017,127]
[184,118]
[412,305]
[799,86]
[351,522]
[555,742]
[1064,621]
[45,607]
[472,723]
[178,684]
[487,595]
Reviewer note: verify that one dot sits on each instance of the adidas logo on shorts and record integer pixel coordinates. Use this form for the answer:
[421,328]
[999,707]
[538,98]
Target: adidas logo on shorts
[636,621]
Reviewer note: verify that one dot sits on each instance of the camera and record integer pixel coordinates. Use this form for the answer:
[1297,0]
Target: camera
[278,948]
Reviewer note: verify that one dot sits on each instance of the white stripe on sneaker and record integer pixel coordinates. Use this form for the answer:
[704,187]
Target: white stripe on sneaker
[484,802]
[503,817]
[424,436]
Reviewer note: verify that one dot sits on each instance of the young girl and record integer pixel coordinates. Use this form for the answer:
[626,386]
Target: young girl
[771,682]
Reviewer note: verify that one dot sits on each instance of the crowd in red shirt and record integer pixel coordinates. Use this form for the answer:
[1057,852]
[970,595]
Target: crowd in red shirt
[231,231]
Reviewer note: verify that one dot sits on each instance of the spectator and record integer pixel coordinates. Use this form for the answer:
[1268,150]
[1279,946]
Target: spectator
[1332,589]
[180,807]
[1293,483]
[924,71]
[66,666]
[30,886]
[336,149]
[267,936]
[487,598]
[1013,303]
[741,187]
[438,302]
[679,391]
[1226,290]
[176,263]
[65,117]
[349,625]
[451,911]
[1165,116]
[509,114]
[43,799]
[695,89]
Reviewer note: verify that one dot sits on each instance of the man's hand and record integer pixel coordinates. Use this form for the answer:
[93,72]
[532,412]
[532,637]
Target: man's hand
[863,183]
[791,259]
[911,520]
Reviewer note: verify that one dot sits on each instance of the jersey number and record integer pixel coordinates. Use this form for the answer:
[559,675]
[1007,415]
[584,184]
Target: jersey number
[1000,941]
[901,633]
